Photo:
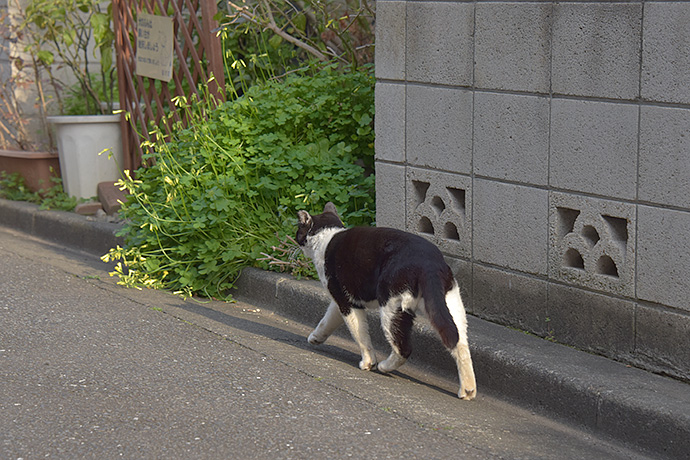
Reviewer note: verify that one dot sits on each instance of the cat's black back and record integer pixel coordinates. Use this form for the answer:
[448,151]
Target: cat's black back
[370,263]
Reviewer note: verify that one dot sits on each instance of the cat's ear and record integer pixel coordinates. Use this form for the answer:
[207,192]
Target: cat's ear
[304,218]
[330,207]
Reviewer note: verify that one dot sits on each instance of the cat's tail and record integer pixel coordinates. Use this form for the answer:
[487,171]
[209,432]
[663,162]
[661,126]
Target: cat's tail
[434,293]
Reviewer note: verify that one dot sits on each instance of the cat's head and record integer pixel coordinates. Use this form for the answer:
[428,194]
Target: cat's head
[309,225]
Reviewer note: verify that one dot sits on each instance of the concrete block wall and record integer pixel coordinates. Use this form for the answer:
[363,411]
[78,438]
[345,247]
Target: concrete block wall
[545,148]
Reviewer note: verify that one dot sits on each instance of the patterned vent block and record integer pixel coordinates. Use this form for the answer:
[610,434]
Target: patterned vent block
[592,243]
[439,208]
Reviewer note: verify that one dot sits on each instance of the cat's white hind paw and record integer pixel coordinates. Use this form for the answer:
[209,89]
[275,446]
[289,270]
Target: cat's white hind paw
[391,363]
[367,365]
[467,395]
[315,340]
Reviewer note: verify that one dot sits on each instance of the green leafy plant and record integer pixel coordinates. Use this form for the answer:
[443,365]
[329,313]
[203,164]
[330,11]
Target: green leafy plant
[215,195]
[73,97]
[326,30]
[60,33]
[12,187]
[252,57]
[267,39]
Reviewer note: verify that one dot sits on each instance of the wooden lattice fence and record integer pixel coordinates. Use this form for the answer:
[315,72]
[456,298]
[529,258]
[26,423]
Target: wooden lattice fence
[197,56]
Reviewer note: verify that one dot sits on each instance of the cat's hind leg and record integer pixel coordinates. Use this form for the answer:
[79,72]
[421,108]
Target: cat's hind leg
[356,320]
[461,351]
[397,327]
[331,321]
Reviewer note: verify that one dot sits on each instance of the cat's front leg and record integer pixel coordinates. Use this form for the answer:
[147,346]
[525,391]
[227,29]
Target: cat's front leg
[331,321]
[356,320]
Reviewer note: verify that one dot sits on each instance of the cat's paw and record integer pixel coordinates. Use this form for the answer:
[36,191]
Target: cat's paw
[314,340]
[385,368]
[391,363]
[367,365]
[467,395]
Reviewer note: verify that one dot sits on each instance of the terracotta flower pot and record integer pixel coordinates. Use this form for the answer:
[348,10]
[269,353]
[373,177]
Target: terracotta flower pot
[35,167]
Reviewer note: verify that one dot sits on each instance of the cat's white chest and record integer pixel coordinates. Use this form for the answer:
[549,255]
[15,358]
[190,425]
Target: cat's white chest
[316,250]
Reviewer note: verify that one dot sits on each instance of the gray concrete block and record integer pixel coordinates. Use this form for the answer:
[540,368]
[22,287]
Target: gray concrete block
[662,340]
[390,122]
[594,322]
[439,128]
[663,256]
[594,147]
[390,40]
[511,137]
[510,226]
[513,46]
[439,42]
[665,54]
[390,195]
[596,49]
[592,243]
[510,299]
[665,156]
[439,207]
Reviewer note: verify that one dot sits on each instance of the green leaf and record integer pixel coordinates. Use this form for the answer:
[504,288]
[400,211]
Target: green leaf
[275,41]
[46,57]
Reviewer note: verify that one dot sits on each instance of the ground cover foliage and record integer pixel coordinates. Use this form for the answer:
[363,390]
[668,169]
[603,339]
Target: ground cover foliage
[224,190]
[51,196]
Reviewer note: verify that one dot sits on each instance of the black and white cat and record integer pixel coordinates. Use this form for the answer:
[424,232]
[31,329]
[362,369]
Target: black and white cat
[402,273]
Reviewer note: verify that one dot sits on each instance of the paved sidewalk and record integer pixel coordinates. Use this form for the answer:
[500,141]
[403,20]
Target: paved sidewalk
[610,399]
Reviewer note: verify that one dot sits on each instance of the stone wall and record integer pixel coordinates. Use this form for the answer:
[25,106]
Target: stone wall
[545,147]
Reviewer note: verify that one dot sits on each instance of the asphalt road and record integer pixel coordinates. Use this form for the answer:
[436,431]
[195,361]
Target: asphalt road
[89,369]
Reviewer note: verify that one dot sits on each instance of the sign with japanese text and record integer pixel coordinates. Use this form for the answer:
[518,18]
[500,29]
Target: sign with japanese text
[154,46]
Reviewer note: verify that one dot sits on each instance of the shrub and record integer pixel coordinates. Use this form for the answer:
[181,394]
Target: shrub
[217,193]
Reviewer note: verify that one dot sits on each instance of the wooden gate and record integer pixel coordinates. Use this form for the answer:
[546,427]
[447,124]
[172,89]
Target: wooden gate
[197,57]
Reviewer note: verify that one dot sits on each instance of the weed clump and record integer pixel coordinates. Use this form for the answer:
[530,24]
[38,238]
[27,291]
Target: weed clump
[215,195]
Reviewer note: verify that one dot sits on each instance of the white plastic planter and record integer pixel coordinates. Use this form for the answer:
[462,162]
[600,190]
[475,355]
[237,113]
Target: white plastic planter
[80,139]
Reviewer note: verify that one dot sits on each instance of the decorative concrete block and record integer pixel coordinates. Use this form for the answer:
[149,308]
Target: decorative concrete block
[509,298]
[510,226]
[592,243]
[663,256]
[596,49]
[665,54]
[390,195]
[513,46]
[663,340]
[439,207]
[665,156]
[594,147]
[439,128]
[439,42]
[511,137]
[594,322]
[390,122]
[389,56]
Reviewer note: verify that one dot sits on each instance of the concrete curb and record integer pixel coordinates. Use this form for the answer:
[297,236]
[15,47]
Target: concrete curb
[60,227]
[606,397]
[630,405]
